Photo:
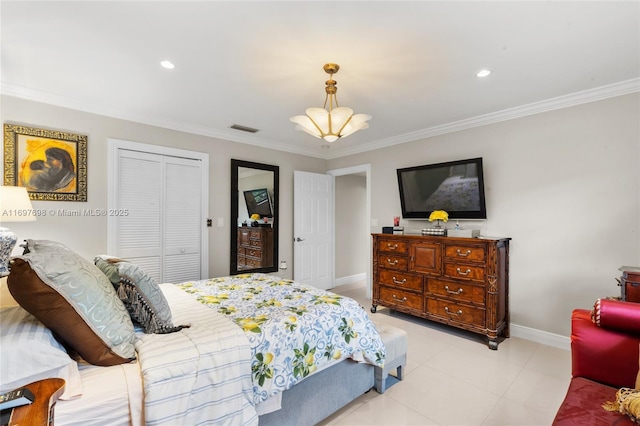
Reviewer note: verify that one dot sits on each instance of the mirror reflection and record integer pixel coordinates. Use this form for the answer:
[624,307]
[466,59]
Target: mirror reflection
[254,238]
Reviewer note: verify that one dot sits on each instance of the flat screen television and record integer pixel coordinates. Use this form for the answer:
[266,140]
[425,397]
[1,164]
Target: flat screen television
[258,201]
[456,187]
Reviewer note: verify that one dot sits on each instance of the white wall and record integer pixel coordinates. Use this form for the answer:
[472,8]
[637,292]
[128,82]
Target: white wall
[564,185]
[88,235]
[352,231]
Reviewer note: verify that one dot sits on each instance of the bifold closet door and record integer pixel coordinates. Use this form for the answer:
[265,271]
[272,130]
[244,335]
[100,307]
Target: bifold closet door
[182,222]
[162,227]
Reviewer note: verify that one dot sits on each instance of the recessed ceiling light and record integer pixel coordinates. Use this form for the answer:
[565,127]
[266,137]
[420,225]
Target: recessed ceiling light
[167,64]
[483,73]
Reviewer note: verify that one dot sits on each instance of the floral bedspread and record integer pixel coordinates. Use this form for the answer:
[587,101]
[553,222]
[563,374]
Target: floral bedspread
[293,329]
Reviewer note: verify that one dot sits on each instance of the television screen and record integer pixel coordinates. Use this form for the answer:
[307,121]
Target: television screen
[258,201]
[456,187]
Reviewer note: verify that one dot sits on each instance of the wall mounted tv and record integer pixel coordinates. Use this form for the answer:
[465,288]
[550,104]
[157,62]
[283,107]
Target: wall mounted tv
[258,201]
[456,187]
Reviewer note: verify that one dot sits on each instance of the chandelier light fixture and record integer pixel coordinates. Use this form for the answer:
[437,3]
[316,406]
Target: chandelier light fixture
[335,121]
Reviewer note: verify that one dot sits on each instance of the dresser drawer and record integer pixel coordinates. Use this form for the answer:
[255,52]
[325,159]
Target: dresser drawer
[256,244]
[457,291]
[251,263]
[255,234]
[456,312]
[468,253]
[254,253]
[392,246]
[401,280]
[390,261]
[467,272]
[392,296]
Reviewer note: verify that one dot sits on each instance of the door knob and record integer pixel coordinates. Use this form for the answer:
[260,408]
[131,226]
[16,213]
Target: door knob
[299,239]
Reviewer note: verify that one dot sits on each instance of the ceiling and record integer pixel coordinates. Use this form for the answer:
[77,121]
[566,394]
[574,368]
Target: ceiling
[411,65]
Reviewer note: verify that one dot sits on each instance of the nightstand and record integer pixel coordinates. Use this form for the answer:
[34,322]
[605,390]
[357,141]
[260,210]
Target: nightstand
[40,412]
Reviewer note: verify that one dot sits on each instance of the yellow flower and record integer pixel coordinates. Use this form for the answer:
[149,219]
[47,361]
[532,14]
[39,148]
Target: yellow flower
[255,216]
[439,215]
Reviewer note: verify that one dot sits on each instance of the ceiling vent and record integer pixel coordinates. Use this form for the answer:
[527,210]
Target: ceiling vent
[243,128]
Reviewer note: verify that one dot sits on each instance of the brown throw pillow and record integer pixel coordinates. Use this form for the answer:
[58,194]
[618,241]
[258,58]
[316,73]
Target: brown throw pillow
[73,298]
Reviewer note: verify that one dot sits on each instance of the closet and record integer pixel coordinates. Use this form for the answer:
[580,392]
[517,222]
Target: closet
[157,205]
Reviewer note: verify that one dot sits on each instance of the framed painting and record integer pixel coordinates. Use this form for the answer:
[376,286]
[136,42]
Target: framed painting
[51,164]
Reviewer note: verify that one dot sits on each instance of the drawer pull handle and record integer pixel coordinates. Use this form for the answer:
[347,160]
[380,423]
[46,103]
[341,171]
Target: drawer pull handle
[467,272]
[392,262]
[459,291]
[446,309]
[404,299]
[392,247]
[399,282]
[465,254]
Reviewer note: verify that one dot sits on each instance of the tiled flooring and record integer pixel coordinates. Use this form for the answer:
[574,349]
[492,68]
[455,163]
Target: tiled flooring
[453,378]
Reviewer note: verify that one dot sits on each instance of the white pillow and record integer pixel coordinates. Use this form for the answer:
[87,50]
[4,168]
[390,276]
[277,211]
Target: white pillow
[31,353]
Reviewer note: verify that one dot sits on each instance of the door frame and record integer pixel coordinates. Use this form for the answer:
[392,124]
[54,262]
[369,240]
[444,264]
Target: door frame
[366,169]
[113,145]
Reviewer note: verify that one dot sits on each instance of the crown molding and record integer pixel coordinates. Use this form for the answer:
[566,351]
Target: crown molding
[572,99]
[227,135]
[603,92]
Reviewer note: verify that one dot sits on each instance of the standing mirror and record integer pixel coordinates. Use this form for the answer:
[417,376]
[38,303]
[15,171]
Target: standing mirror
[254,242]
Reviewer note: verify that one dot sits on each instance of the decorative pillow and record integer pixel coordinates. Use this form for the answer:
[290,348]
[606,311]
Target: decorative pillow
[617,315]
[627,402]
[72,297]
[30,353]
[140,294]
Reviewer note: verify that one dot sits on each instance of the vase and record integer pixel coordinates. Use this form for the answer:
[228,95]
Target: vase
[437,225]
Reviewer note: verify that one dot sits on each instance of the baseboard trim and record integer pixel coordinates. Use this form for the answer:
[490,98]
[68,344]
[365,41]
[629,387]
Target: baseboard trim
[350,282]
[540,336]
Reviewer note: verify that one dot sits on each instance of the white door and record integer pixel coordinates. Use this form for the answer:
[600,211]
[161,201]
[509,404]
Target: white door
[162,225]
[183,222]
[313,229]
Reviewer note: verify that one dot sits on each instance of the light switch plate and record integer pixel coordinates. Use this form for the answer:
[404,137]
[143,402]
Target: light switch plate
[220,222]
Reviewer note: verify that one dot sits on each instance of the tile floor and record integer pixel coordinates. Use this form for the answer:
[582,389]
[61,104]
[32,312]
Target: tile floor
[453,378]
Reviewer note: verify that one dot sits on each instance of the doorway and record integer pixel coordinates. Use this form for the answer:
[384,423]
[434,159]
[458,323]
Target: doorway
[353,182]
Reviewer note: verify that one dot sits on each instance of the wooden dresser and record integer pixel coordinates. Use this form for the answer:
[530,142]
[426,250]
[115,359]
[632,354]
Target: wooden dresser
[462,282]
[255,247]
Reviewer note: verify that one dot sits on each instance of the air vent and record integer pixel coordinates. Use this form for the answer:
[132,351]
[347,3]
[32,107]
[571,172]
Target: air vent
[243,128]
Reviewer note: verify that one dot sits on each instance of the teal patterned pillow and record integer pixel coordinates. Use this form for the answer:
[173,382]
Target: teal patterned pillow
[73,298]
[140,294]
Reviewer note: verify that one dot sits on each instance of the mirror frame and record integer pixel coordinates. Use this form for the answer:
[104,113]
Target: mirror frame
[233,220]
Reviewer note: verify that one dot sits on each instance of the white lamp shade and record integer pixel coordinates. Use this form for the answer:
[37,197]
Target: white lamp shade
[15,205]
[320,117]
[330,126]
[357,122]
[304,123]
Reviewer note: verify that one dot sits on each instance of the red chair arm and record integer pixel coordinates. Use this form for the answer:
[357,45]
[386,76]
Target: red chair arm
[604,355]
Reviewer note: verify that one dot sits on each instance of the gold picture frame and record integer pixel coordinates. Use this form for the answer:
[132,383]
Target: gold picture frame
[51,164]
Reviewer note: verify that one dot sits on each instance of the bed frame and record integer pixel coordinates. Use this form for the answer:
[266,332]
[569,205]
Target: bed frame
[322,394]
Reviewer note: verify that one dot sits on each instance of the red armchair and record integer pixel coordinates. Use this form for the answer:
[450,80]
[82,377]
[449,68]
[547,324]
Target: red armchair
[604,358]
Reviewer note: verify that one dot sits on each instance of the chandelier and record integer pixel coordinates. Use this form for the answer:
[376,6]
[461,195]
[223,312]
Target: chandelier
[336,121]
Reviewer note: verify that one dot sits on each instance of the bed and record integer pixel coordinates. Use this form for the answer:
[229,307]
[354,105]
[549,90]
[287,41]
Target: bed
[243,349]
